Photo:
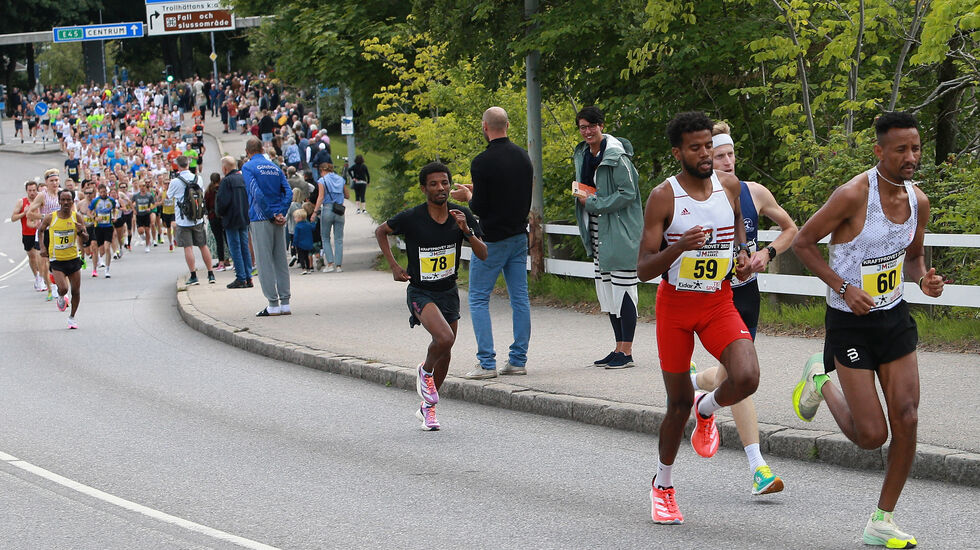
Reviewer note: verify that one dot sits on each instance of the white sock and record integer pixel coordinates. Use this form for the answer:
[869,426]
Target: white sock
[663,475]
[754,456]
[707,406]
[694,381]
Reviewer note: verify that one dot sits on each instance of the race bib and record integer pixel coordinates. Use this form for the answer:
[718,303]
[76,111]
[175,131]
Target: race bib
[437,262]
[882,278]
[704,269]
[142,207]
[104,218]
[64,240]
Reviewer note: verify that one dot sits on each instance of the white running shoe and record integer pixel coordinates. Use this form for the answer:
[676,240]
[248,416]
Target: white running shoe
[882,531]
[147,250]
[338,270]
[72,324]
[327,269]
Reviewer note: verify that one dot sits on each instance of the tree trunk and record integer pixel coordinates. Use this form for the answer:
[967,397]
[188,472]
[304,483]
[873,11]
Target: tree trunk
[31,80]
[946,126]
[186,66]
[854,76]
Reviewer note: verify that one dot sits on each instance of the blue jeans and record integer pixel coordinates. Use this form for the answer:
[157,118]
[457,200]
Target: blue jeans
[233,123]
[509,256]
[330,221]
[238,248]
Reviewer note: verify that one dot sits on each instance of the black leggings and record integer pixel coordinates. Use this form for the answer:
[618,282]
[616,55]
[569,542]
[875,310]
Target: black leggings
[304,258]
[360,189]
[624,326]
[219,237]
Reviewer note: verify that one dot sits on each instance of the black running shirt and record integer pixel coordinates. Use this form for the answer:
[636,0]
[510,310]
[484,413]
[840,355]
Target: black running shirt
[433,249]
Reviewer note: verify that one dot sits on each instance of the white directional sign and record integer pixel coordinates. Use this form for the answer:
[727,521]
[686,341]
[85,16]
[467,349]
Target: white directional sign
[98,32]
[190,16]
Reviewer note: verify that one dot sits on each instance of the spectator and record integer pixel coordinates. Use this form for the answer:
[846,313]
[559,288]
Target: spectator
[269,197]
[330,207]
[298,182]
[190,217]
[500,196]
[361,178]
[291,154]
[266,127]
[610,222]
[322,156]
[231,205]
[303,240]
[214,220]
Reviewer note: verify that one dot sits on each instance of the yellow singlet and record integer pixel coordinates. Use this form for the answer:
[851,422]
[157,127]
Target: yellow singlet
[61,238]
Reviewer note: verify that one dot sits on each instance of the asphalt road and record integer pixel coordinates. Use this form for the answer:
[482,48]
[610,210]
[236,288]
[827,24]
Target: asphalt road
[139,406]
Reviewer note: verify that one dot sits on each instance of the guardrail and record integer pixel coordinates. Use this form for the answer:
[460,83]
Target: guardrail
[799,285]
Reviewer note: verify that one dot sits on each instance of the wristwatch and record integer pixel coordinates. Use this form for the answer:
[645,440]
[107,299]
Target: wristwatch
[772,252]
[468,235]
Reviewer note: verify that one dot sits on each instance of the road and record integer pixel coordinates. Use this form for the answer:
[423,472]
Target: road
[140,407]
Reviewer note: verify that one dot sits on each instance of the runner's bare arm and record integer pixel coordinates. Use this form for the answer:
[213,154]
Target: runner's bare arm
[652,261]
[19,211]
[915,265]
[843,204]
[767,206]
[397,271]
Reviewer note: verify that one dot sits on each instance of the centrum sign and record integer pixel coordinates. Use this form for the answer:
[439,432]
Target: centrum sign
[193,16]
[98,32]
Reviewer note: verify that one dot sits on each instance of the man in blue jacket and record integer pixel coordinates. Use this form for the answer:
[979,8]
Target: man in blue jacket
[269,197]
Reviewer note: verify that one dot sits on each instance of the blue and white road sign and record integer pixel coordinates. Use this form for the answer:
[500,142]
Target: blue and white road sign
[41,108]
[110,31]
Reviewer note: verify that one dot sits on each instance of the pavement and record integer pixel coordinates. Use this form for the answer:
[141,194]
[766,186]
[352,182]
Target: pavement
[355,323]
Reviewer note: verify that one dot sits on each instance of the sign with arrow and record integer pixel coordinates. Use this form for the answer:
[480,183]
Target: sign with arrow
[189,16]
[109,31]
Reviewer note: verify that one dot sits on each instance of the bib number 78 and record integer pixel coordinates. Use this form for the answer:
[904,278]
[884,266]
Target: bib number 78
[438,263]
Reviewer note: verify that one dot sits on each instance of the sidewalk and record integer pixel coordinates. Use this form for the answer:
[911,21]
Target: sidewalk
[356,323]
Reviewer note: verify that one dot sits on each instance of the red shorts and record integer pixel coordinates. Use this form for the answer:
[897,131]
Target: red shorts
[680,314]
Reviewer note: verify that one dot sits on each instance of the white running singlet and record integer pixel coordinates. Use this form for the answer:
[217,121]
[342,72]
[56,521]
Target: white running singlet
[874,260]
[703,269]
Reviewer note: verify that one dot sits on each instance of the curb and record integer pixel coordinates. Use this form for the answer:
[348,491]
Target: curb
[4,149]
[931,462]
[221,147]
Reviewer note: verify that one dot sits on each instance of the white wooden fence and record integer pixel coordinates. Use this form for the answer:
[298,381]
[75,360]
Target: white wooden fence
[800,285]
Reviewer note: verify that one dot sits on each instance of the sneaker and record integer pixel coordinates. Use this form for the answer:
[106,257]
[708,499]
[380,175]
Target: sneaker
[621,361]
[806,398]
[705,439]
[882,531]
[107,276]
[512,369]
[83,262]
[72,324]
[428,417]
[221,267]
[480,373]
[62,303]
[156,244]
[210,278]
[49,298]
[95,273]
[293,261]
[605,360]
[663,506]
[694,367]
[327,269]
[338,270]
[237,283]
[255,272]
[171,248]
[147,250]
[248,283]
[765,482]
[426,386]
[192,280]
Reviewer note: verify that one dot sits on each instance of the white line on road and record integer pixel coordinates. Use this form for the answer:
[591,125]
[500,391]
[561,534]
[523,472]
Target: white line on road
[2,254]
[15,269]
[132,506]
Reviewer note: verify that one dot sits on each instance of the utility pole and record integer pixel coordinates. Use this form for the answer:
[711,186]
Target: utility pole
[532,63]
[214,60]
[316,90]
[349,113]
[102,49]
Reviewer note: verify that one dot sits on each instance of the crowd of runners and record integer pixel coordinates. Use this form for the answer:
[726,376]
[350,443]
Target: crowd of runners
[698,232]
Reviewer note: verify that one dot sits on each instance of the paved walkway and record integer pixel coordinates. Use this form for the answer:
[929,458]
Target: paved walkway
[356,323]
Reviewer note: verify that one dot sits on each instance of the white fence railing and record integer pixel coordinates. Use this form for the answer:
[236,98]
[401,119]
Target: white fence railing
[799,285]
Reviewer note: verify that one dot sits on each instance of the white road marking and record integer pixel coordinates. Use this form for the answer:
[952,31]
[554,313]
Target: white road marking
[132,506]
[4,286]
[2,254]
[15,269]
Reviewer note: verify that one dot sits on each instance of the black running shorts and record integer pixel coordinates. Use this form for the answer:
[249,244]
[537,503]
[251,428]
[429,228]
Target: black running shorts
[747,298]
[30,243]
[143,220]
[868,341]
[168,218]
[446,300]
[103,234]
[67,266]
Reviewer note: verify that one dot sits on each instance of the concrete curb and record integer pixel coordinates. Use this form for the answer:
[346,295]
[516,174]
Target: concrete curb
[17,151]
[221,147]
[932,462]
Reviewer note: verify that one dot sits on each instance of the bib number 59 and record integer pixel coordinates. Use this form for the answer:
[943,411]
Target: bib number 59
[705,269]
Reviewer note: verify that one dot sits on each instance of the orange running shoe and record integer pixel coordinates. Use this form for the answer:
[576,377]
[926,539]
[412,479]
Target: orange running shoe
[705,438]
[663,506]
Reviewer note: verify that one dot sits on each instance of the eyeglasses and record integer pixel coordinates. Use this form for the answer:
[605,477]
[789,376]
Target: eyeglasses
[585,127]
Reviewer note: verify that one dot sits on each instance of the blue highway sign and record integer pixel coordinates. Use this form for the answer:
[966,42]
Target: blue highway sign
[109,31]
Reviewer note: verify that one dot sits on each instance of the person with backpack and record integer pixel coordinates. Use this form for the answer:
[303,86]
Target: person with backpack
[188,195]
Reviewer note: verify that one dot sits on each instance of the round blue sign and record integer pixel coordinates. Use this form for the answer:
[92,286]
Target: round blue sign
[41,108]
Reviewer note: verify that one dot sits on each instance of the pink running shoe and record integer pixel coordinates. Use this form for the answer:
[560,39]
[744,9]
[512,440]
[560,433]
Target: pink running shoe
[663,506]
[62,303]
[428,417]
[705,438]
[426,386]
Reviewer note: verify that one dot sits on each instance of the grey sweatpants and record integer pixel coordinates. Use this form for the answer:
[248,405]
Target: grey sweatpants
[269,242]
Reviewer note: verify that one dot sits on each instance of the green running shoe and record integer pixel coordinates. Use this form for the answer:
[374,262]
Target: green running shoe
[765,482]
[694,368]
[806,398]
[882,531]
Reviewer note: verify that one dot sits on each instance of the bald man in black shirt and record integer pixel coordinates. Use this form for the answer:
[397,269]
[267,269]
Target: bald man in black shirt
[501,196]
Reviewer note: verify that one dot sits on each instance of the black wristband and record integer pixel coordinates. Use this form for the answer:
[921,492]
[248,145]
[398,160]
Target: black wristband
[772,252]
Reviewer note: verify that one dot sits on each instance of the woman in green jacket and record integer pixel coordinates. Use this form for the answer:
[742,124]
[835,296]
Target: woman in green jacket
[610,221]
